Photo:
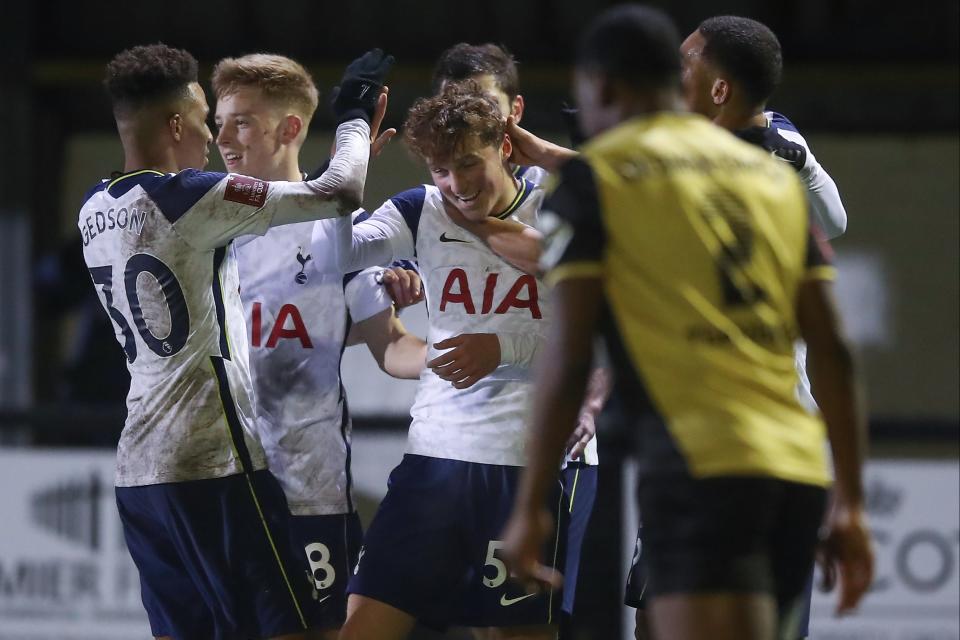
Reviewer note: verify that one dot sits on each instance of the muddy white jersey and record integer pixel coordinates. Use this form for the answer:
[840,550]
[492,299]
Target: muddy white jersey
[298,316]
[468,289]
[158,248]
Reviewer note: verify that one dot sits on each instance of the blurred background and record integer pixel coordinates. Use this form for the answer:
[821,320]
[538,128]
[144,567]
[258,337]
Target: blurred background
[872,85]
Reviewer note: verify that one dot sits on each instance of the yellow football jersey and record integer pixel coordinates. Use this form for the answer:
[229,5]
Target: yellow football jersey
[701,241]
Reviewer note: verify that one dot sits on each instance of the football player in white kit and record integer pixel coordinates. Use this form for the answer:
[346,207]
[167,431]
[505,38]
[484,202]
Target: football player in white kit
[493,68]
[301,312]
[730,68]
[430,554]
[205,522]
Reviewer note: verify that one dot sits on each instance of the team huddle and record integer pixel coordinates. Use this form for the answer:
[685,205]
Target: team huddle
[697,254]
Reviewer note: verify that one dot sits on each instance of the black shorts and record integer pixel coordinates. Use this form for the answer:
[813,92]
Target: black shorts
[635,591]
[729,534]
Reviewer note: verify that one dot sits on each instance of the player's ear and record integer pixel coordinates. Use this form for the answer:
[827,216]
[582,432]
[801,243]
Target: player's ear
[290,127]
[517,109]
[175,125]
[720,92]
[506,148]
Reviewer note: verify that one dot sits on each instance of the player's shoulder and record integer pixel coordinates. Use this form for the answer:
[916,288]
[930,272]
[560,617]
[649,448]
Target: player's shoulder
[785,128]
[173,193]
[779,121]
[90,193]
[119,184]
[413,198]
[411,203]
[176,193]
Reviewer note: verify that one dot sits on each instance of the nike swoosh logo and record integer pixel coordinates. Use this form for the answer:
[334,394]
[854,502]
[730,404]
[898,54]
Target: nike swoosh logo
[444,238]
[323,598]
[506,602]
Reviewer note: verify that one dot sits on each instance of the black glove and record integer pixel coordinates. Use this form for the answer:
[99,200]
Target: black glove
[776,144]
[570,123]
[357,95]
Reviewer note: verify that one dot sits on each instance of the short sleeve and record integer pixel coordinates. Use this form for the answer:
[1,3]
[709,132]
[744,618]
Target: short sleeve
[365,296]
[572,225]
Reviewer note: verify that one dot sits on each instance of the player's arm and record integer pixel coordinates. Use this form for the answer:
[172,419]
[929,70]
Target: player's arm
[209,209]
[837,389]
[516,243]
[383,236]
[826,207]
[529,149]
[399,353]
[359,99]
[565,361]
[598,390]
[470,357]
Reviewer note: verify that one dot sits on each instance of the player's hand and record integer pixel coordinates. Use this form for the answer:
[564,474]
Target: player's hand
[358,94]
[403,285]
[471,357]
[457,218]
[586,429]
[379,140]
[529,150]
[523,539]
[845,555]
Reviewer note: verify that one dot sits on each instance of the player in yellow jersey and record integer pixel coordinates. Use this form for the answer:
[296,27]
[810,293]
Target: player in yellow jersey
[689,250]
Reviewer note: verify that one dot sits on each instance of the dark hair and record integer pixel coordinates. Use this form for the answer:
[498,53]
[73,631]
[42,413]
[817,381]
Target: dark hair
[146,75]
[440,126]
[747,50]
[464,61]
[633,43]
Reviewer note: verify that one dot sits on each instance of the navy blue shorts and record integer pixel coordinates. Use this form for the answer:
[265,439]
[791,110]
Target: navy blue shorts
[580,492]
[215,558]
[332,545]
[432,549]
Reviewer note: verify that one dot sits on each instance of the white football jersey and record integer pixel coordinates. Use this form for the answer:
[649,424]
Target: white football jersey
[298,316]
[826,210]
[468,289]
